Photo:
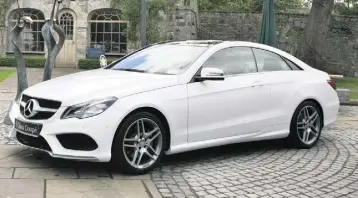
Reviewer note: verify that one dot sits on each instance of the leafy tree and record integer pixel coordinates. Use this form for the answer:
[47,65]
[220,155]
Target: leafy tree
[350,3]
[131,12]
[347,7]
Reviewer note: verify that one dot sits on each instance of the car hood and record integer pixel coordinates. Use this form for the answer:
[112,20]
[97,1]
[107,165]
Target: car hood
[84,86]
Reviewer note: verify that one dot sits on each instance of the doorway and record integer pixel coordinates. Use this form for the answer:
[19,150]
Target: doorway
[67,55]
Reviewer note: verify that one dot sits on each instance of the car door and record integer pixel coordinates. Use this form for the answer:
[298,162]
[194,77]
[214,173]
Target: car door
[232,107]
[282,76]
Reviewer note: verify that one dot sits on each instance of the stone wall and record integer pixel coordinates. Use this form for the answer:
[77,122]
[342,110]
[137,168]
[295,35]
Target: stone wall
[341,49]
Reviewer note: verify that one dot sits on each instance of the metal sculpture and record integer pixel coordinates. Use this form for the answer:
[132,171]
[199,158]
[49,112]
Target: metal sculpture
[22,83]
[52,47]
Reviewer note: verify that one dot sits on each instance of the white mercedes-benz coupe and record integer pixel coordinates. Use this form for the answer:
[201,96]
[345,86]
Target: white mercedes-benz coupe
[174,97]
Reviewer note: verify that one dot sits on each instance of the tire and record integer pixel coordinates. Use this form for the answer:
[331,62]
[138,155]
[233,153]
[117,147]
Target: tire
[299,126]
[127,134]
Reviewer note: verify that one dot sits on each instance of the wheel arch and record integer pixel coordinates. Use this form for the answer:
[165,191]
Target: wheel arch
[157,113]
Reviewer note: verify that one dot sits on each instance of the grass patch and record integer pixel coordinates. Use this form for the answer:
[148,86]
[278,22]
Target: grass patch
[349,83]
[6,73]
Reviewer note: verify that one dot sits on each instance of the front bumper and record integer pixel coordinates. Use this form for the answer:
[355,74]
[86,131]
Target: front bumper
[61,156]
[100,128]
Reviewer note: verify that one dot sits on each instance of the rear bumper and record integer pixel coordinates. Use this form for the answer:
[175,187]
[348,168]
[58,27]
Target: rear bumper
[331,111]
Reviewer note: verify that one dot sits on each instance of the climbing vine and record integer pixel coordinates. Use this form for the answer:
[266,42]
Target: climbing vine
[158,10]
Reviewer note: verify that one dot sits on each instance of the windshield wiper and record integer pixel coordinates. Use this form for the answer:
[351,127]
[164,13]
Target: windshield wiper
[132,70]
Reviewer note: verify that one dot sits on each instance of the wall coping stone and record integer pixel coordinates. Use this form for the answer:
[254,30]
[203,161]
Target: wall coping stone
[278,13]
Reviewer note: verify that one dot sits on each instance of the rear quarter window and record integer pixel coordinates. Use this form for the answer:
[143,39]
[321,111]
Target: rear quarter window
[292,65]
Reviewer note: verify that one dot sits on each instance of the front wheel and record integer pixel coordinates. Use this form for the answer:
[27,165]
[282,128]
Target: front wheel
[138,144]
[306,125]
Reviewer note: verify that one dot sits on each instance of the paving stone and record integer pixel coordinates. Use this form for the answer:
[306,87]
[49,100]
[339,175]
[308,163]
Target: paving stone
[90,173]
[23,158]
[95,188]
[9,150]
[130,177]
[45,173]
[6,173]
[152,189]
[21,188]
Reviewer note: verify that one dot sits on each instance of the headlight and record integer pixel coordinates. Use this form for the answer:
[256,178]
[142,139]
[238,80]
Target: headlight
[88,109]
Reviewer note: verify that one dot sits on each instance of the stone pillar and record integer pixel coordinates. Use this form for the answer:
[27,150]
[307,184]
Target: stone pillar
[183,22]
[3,40]
[82,43]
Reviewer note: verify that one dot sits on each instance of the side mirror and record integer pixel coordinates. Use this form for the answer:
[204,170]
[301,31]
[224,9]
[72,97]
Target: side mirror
[209,73]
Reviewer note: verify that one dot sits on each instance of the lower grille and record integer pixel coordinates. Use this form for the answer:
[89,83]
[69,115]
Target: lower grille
[36,142]
[77,141]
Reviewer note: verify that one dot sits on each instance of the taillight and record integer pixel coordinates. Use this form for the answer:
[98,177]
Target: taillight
[332,83]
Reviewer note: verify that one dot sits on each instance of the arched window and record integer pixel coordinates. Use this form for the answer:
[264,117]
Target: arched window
[67,23]
[108,32]
[31,39]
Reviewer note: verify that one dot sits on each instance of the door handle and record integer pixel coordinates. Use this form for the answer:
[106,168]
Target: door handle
[257,84]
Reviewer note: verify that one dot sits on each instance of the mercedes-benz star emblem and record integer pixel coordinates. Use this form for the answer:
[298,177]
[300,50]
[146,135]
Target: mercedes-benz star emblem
[29,110]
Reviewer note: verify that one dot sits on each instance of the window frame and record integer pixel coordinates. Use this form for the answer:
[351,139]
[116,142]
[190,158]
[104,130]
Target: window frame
[112,12]
[281,57]
[12,18]
[233,75]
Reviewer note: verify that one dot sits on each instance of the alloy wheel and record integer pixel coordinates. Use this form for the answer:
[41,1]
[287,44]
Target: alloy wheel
[142,143]
[308,125]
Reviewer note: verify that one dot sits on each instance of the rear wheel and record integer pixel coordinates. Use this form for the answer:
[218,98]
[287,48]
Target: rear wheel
[306,125]
[138,145]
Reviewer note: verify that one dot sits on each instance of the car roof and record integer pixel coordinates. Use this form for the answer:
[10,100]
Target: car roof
[217,42]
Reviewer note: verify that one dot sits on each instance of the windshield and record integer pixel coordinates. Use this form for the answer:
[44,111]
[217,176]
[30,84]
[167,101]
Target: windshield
[161,59]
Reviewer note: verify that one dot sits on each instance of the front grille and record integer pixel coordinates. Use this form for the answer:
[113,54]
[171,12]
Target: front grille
[77,141]
[52,104]
[42,115]
[35,142]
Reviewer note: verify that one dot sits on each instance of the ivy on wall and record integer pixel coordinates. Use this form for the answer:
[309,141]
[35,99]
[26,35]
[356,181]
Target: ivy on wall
[158,10]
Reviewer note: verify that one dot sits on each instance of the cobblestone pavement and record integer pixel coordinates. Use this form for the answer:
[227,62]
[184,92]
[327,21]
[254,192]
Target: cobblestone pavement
[260,169]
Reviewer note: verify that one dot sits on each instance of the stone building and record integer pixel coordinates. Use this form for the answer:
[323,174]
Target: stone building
[87,24]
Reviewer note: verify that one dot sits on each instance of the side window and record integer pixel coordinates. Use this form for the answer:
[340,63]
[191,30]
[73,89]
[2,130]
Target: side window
[268,61]
[233,60]
[292,65]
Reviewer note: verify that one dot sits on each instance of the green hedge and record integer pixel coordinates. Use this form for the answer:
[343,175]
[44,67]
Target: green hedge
[89,63]
[35,62]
